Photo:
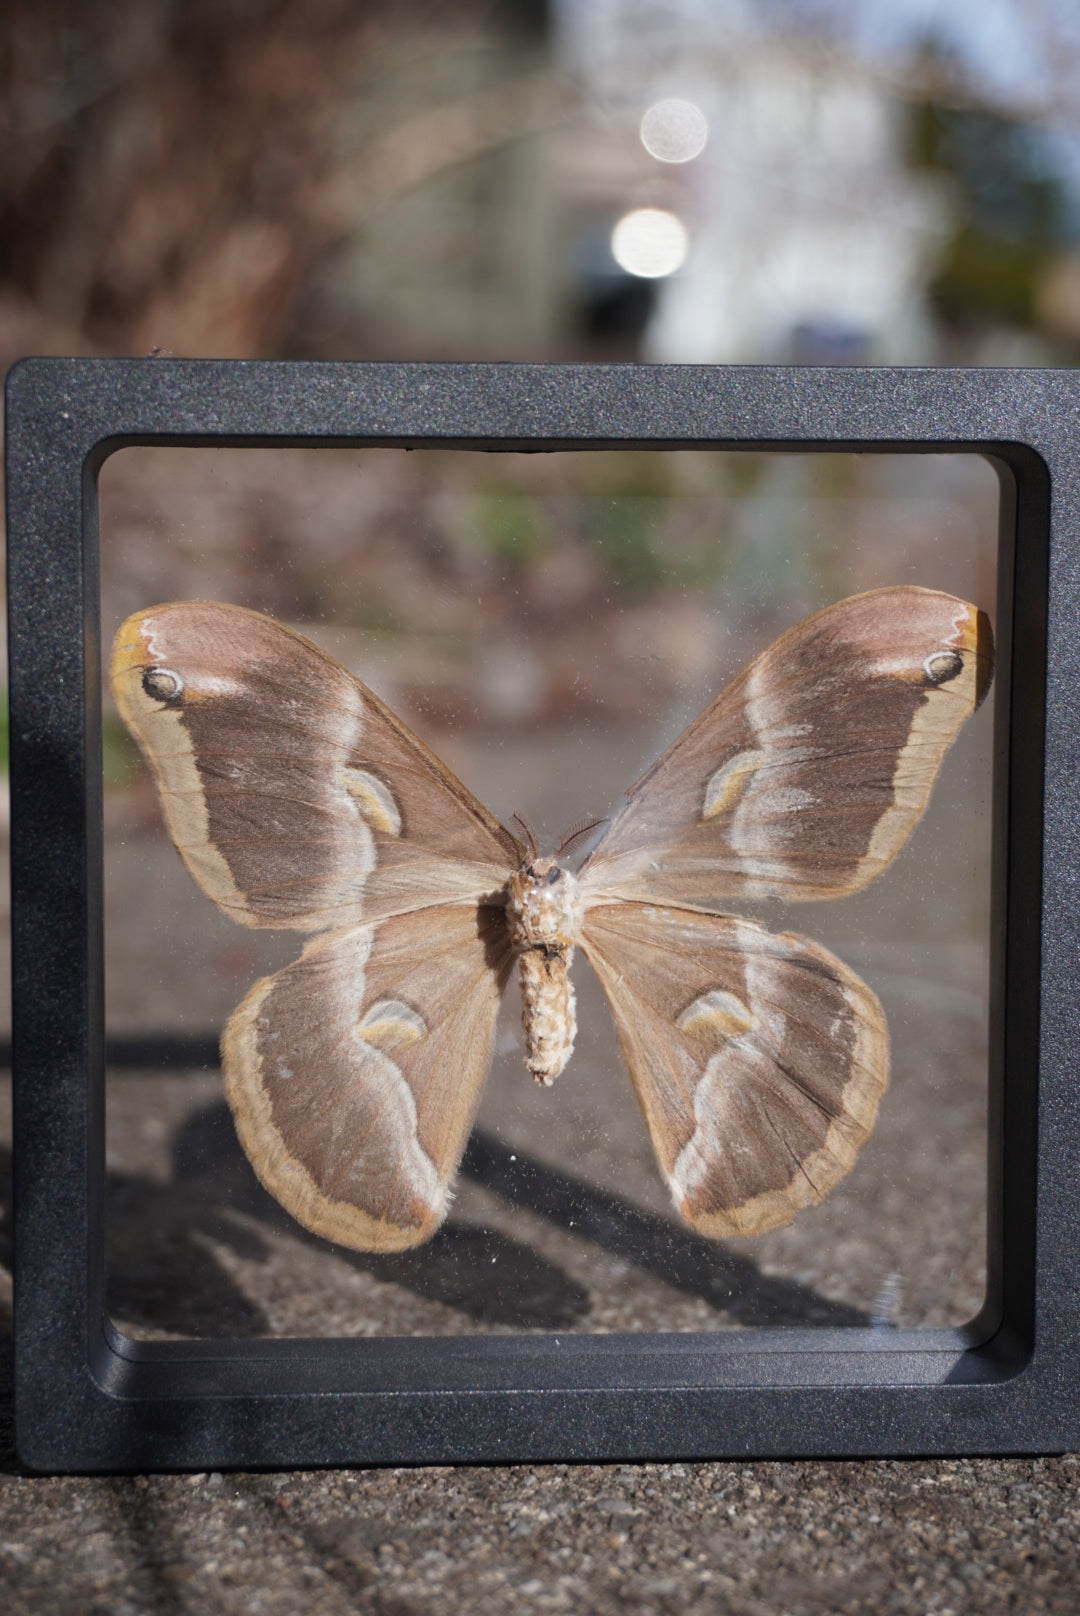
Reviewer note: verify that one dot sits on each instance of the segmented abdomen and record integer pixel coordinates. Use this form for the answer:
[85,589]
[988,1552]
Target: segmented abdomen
[548,1017]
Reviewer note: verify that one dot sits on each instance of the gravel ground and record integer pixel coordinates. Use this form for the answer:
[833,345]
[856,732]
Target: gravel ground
[733,1539]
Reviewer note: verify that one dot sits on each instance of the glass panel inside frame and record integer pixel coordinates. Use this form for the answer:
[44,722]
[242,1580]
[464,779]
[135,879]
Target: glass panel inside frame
[548,625]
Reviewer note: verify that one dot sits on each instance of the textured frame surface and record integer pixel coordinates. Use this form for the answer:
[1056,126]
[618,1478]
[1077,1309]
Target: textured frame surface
[89,1398]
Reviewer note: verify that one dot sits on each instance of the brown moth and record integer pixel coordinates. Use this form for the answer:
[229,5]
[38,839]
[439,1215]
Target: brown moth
[297,799]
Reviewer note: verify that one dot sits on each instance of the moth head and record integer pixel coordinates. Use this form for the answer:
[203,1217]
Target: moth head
[544,872]
[542,904]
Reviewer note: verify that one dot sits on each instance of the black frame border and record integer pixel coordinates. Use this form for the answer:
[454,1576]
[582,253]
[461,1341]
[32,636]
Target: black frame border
[89,1398]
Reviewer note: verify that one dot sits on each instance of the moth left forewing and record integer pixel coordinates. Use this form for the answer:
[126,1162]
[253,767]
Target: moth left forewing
[758,1059]
[294,795]
[807,774]
[354,1074]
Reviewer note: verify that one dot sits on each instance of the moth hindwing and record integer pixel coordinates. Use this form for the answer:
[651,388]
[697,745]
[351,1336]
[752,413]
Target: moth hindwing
[298,800]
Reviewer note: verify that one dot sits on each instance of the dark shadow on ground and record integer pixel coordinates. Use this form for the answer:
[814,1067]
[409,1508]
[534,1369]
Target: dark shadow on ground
[496,1279]
[164,1241]
[704,1268]
[163,1272]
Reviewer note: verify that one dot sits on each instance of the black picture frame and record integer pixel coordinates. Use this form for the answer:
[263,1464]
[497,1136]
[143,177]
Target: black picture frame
[88,1398]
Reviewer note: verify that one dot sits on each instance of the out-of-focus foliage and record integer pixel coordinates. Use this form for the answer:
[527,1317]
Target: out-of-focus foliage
[509,526]
[161,163]
[172,172]
[120,757]
[1011,213]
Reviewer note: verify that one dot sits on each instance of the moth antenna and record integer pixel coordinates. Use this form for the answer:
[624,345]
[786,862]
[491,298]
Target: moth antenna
[576,832]
[527,832]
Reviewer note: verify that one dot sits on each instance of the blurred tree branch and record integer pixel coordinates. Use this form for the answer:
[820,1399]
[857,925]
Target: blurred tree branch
[421,146]
[170,173]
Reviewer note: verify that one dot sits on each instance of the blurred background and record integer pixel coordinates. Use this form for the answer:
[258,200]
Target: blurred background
[691,180]
[700,181]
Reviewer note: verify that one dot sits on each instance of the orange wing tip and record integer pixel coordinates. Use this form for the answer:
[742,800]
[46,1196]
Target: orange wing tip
[975,637]
[129,646]
[130,656]
[983,637]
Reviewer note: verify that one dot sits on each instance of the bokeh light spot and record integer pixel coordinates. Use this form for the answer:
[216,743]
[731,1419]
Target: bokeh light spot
[674,131]
[650,242]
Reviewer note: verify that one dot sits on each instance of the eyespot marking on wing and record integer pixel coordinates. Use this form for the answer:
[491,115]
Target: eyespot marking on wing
[727,785]
[162,684]
[374,799]
[390,1023]
[716,1014]
[942,666]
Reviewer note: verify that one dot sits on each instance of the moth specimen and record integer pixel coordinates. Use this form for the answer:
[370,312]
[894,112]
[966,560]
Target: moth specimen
[297,799]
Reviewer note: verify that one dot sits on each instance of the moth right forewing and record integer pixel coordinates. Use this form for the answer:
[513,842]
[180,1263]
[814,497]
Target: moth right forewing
[294,795]
[758,1059]
[354,1074]
[806,775]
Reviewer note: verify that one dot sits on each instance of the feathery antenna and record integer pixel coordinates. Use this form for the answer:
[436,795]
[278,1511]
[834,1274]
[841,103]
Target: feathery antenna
[576,832]
[527,831]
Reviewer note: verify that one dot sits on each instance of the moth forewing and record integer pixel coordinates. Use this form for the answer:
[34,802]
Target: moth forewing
[806,775]
[295,796]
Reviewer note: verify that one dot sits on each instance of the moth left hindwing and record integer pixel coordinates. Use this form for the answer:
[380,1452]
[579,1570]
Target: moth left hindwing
[354,1074]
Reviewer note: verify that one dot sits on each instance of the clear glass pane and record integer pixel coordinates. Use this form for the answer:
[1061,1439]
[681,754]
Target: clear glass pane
[548,624]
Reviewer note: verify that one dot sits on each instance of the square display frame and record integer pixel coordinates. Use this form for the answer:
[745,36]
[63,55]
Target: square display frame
[90,1398]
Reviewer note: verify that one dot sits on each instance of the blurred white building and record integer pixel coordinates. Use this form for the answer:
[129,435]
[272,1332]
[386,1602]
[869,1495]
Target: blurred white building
[809,239]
